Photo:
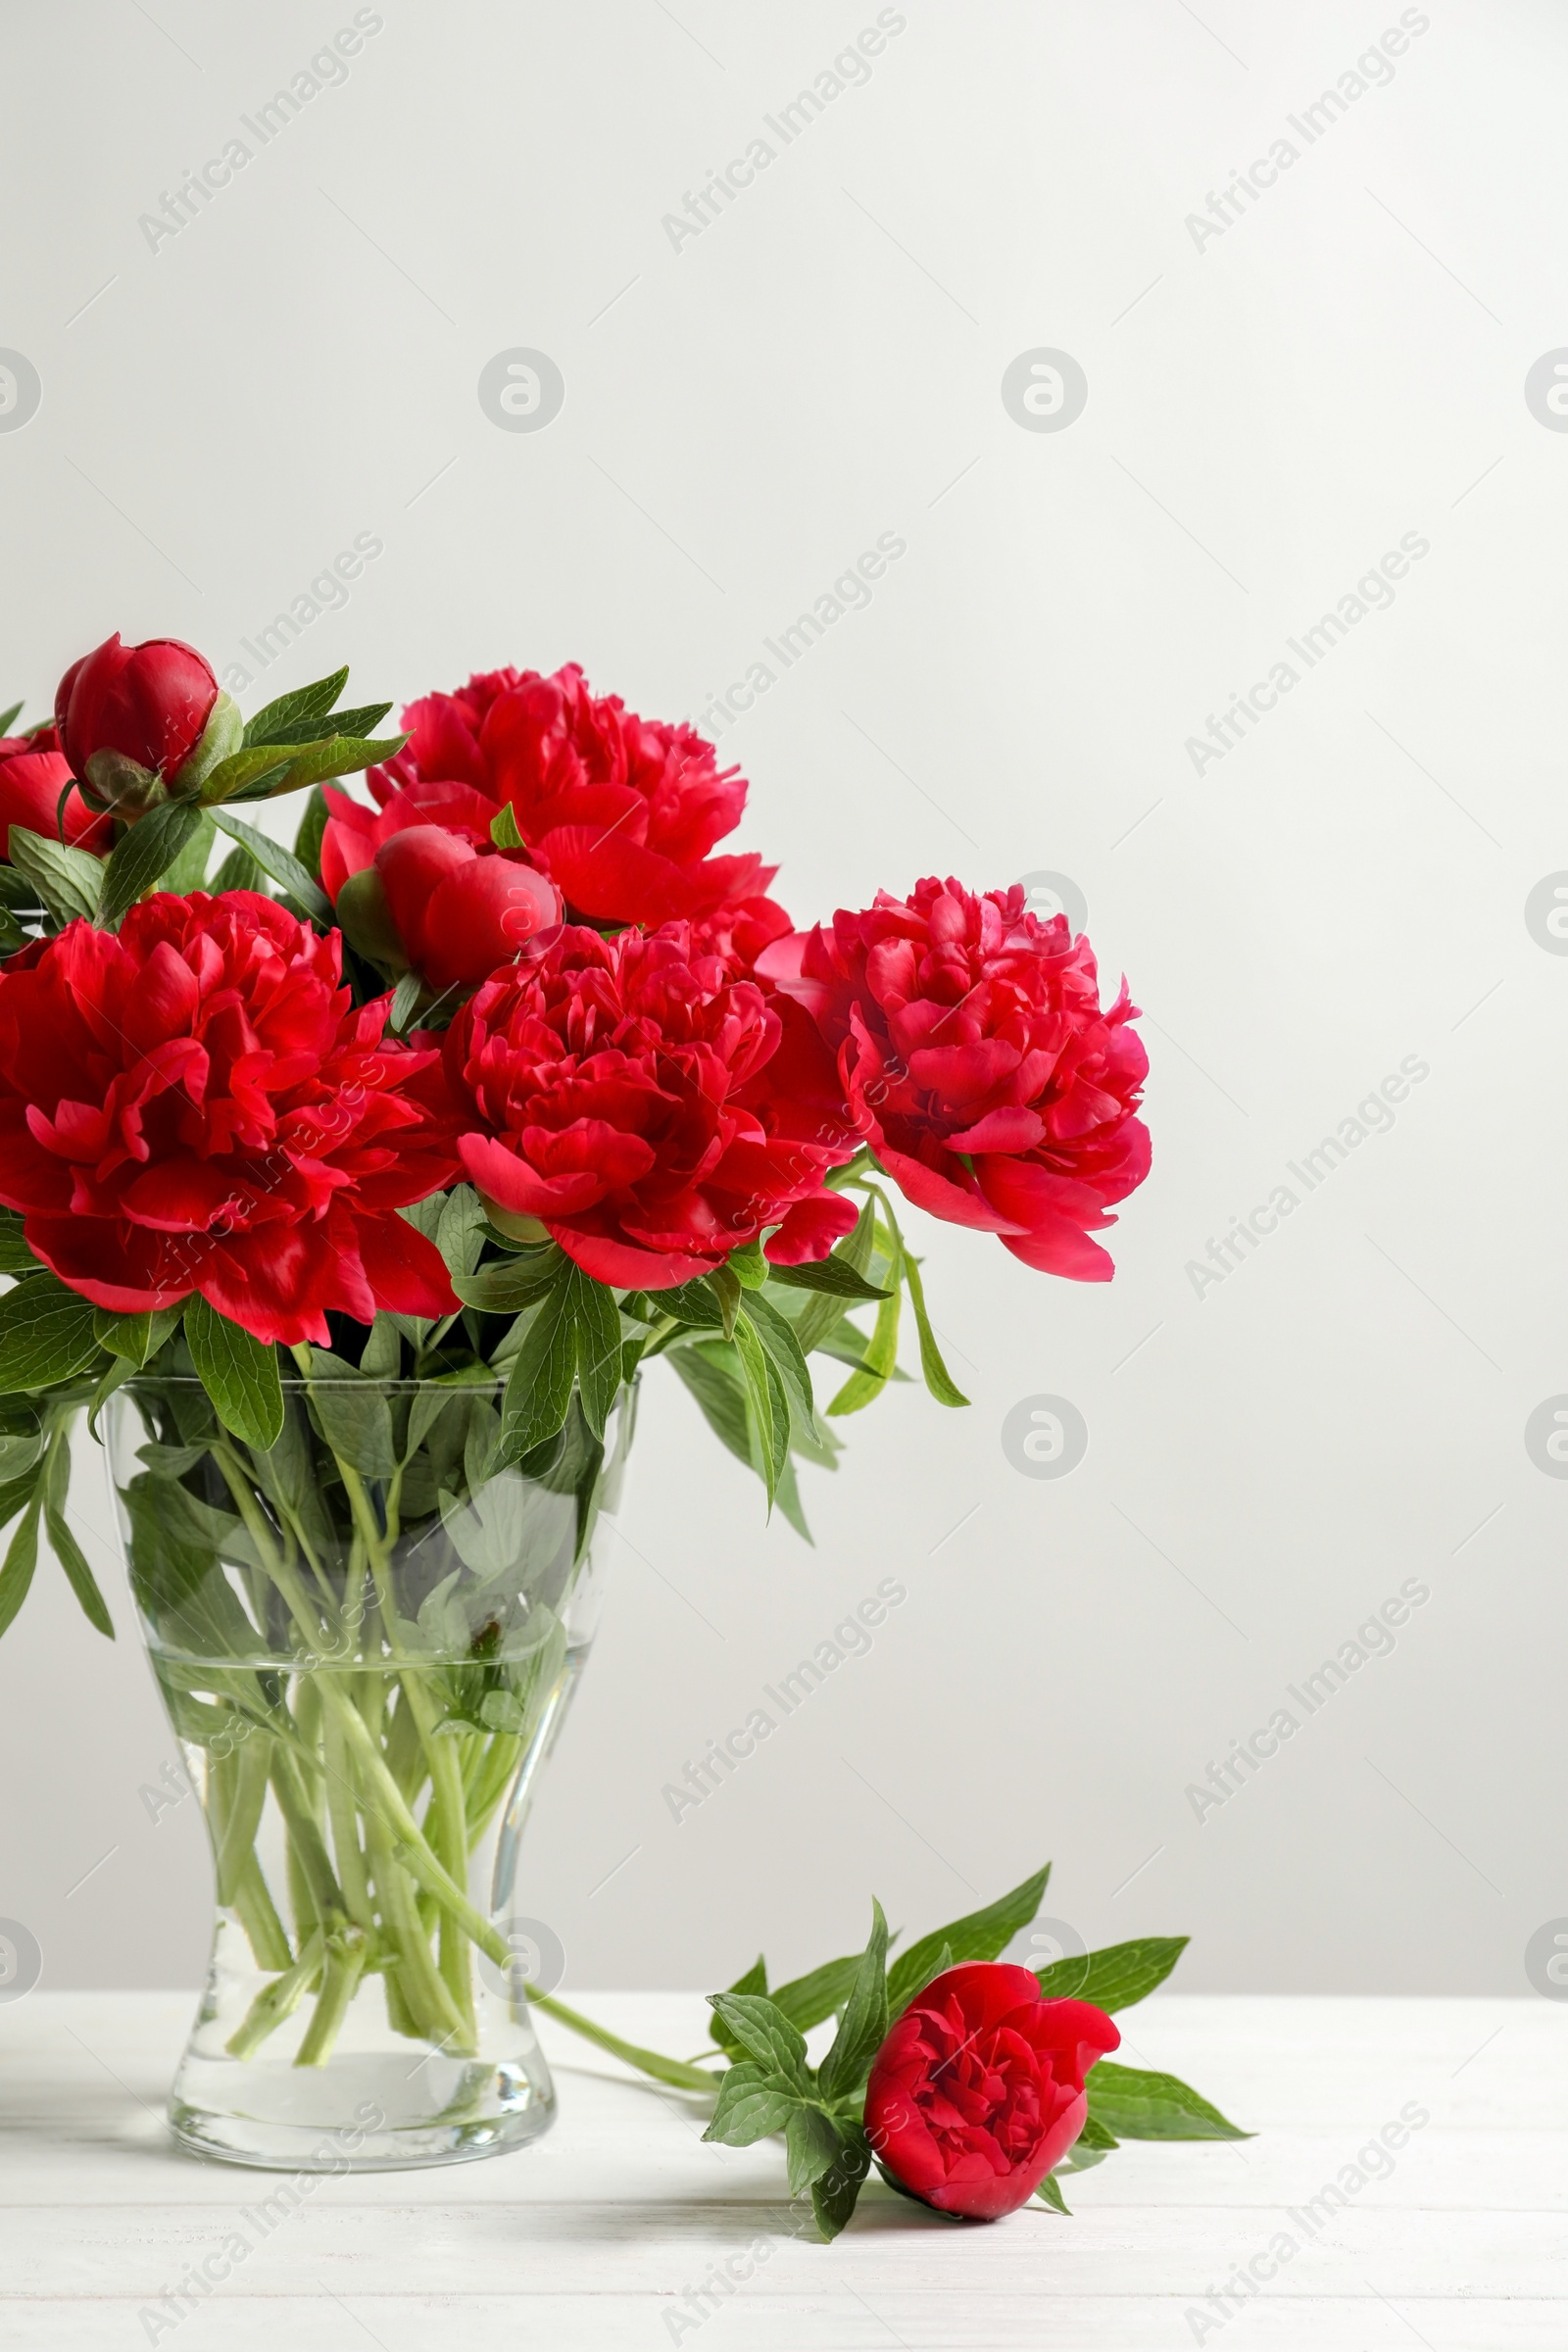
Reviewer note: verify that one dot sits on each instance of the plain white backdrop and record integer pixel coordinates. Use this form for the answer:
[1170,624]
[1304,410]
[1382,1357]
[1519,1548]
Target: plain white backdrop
[1285,382]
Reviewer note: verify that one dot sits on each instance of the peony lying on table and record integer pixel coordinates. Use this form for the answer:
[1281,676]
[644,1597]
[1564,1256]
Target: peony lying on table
[968,2085]
[358,1183]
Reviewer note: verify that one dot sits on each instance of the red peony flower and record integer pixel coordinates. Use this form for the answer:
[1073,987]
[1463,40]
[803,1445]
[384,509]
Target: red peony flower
[650,1112]
[978,2089]
[620,811]
[34,773]
[431,899]
[149,703]
[193,1106]
[979,1064]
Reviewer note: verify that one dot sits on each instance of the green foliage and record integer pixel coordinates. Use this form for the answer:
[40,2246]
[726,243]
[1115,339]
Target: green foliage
[280,863]
[145,853]
[66,881]
[979,1935]
[1135,2105]
[47,1335]
[1115,1978]
[239,1374]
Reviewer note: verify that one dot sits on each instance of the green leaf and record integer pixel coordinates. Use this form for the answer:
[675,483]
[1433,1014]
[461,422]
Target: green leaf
[258,765]
[864,2026]
[189,869]
[1050,2195]
[692,1303]
[15,1255]
[1135,2105]
[822,1314]
[304,702]
[761,2027]
[311,827]
[355,1416]
[833,2196]
[382,1356]
[769,1405]
[8,718]
[504,828]
[754,1980]
[461,1229]
[748,1266]
[144,854]
[1095,2135]
[68,1551]
[66,881]
[978,1936]
[598,1322]
[239,871]
[833,1275]
[539,1388]
[137,1337]
[263,771]
[938,1379]
[806,2000]
[357,723]
[21,1558]
[779,1338]
[280,863]
[750,2106]
[507,1285]
[239,1374]
[812,2146]
[46,1335]
[882,1353]
[404,1003]
[1115,1978]
[338,756]
[713,1377]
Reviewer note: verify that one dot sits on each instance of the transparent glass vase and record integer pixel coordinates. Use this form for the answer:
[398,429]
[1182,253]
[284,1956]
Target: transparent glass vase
[367,1638]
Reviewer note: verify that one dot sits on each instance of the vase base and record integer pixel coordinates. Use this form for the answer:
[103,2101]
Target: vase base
[355,2115]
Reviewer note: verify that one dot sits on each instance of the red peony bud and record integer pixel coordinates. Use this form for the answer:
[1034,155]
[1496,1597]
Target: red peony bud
[461,915]
[133,707]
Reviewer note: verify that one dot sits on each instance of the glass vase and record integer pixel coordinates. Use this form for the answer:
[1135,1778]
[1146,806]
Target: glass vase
[366,1638]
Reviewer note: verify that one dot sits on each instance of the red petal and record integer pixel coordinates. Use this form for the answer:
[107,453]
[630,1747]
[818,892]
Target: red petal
[940,1199]
[626,1267]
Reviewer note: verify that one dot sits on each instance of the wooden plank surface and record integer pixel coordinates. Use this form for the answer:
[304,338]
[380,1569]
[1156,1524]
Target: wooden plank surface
[616,2228]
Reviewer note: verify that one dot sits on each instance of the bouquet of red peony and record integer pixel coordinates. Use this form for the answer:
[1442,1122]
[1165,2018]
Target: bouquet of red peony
[350,1190]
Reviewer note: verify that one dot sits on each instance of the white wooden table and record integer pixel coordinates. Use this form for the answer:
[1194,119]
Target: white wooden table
[594,2236]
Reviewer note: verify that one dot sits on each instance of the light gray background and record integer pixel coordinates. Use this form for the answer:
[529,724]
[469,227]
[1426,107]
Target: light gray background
[1269,410]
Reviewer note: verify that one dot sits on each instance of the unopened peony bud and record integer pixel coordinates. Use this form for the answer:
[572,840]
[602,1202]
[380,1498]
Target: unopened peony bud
[130,717]
[460,914]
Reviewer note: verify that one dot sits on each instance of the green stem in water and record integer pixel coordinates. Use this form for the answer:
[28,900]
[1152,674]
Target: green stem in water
[419,1983]
[278,2000]
[345,1956]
